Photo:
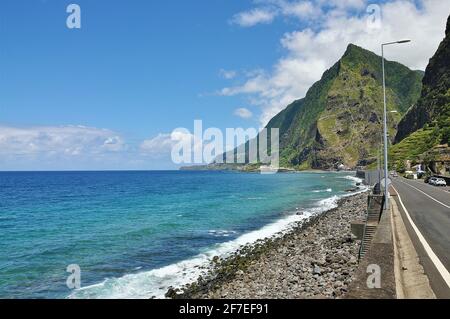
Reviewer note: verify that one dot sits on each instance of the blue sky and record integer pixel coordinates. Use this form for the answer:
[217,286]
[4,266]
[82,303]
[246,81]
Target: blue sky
[136,70]
[140,68]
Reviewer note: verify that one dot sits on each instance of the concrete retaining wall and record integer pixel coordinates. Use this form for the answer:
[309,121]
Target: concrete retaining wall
[381,254]
[370,177]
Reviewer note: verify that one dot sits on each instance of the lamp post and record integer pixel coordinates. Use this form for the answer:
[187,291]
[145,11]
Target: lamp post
[386,173]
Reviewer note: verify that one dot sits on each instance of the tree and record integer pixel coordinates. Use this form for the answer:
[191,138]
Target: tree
[445,139]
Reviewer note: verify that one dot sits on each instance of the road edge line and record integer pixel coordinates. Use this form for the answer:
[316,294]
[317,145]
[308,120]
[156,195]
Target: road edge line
[431,187]
[437,263]
[437,201]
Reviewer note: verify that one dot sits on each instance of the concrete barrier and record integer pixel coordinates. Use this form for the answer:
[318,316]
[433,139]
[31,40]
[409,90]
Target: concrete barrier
[370,177]
[357,229]
[380,256]
[374,207]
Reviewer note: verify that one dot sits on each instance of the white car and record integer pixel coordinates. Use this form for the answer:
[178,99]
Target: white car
[440,182]
[432,181]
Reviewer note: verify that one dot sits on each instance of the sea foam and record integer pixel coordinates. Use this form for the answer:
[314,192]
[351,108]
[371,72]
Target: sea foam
[155,283]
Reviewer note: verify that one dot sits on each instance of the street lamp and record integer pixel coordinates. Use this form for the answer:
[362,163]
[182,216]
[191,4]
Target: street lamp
[386,173]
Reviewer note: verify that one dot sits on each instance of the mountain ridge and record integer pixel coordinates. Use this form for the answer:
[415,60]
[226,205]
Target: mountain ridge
[338,122]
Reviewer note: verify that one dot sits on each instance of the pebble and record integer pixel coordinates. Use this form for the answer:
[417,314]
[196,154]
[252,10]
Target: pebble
[317,260]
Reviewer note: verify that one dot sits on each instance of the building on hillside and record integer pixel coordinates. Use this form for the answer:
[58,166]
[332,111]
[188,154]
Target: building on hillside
[438,160]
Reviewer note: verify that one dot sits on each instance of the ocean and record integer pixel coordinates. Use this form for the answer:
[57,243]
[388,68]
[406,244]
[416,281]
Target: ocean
[134,234]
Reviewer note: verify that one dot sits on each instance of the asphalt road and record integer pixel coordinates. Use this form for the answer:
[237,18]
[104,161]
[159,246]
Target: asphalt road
[429,209]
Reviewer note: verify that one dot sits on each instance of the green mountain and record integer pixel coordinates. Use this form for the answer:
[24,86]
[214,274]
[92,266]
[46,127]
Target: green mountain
[340,119]
[427,123]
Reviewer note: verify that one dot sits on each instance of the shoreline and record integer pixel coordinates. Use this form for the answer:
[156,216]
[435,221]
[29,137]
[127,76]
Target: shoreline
[315,258]
[154,283]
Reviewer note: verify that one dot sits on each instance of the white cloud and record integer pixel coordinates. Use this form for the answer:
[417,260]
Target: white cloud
[84,148]
[67,141]
[228,74]
[309,52]
[161,145]
[300,9]
[157,146]
[346,4]
[243,113]
[254,17]
[61,148]
[267,10]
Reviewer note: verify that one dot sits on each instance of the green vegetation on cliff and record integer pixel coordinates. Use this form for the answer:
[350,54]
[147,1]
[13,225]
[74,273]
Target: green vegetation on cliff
[339,120]
[427,123]
[415,145]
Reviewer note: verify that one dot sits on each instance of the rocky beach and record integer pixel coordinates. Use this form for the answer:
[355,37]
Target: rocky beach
[316,259]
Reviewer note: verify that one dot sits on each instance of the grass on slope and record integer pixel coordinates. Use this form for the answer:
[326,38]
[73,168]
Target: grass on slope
[415,145]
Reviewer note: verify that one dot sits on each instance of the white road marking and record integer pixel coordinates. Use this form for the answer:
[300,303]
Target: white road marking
[432,187]
[425,194]
[437,263]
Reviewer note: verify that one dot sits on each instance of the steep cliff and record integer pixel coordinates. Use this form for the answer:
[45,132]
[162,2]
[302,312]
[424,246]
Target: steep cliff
[340,119]
[434,103]
[427,123]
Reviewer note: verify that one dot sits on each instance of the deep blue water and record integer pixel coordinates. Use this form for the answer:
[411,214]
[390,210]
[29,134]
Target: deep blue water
[142,231]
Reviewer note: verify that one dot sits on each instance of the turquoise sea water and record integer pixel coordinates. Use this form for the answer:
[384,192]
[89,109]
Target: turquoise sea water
[134,234]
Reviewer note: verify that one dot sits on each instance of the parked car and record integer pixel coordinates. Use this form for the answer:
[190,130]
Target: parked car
[410,175]
[427,179]
[395,175]
[440,182]
[432,181]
